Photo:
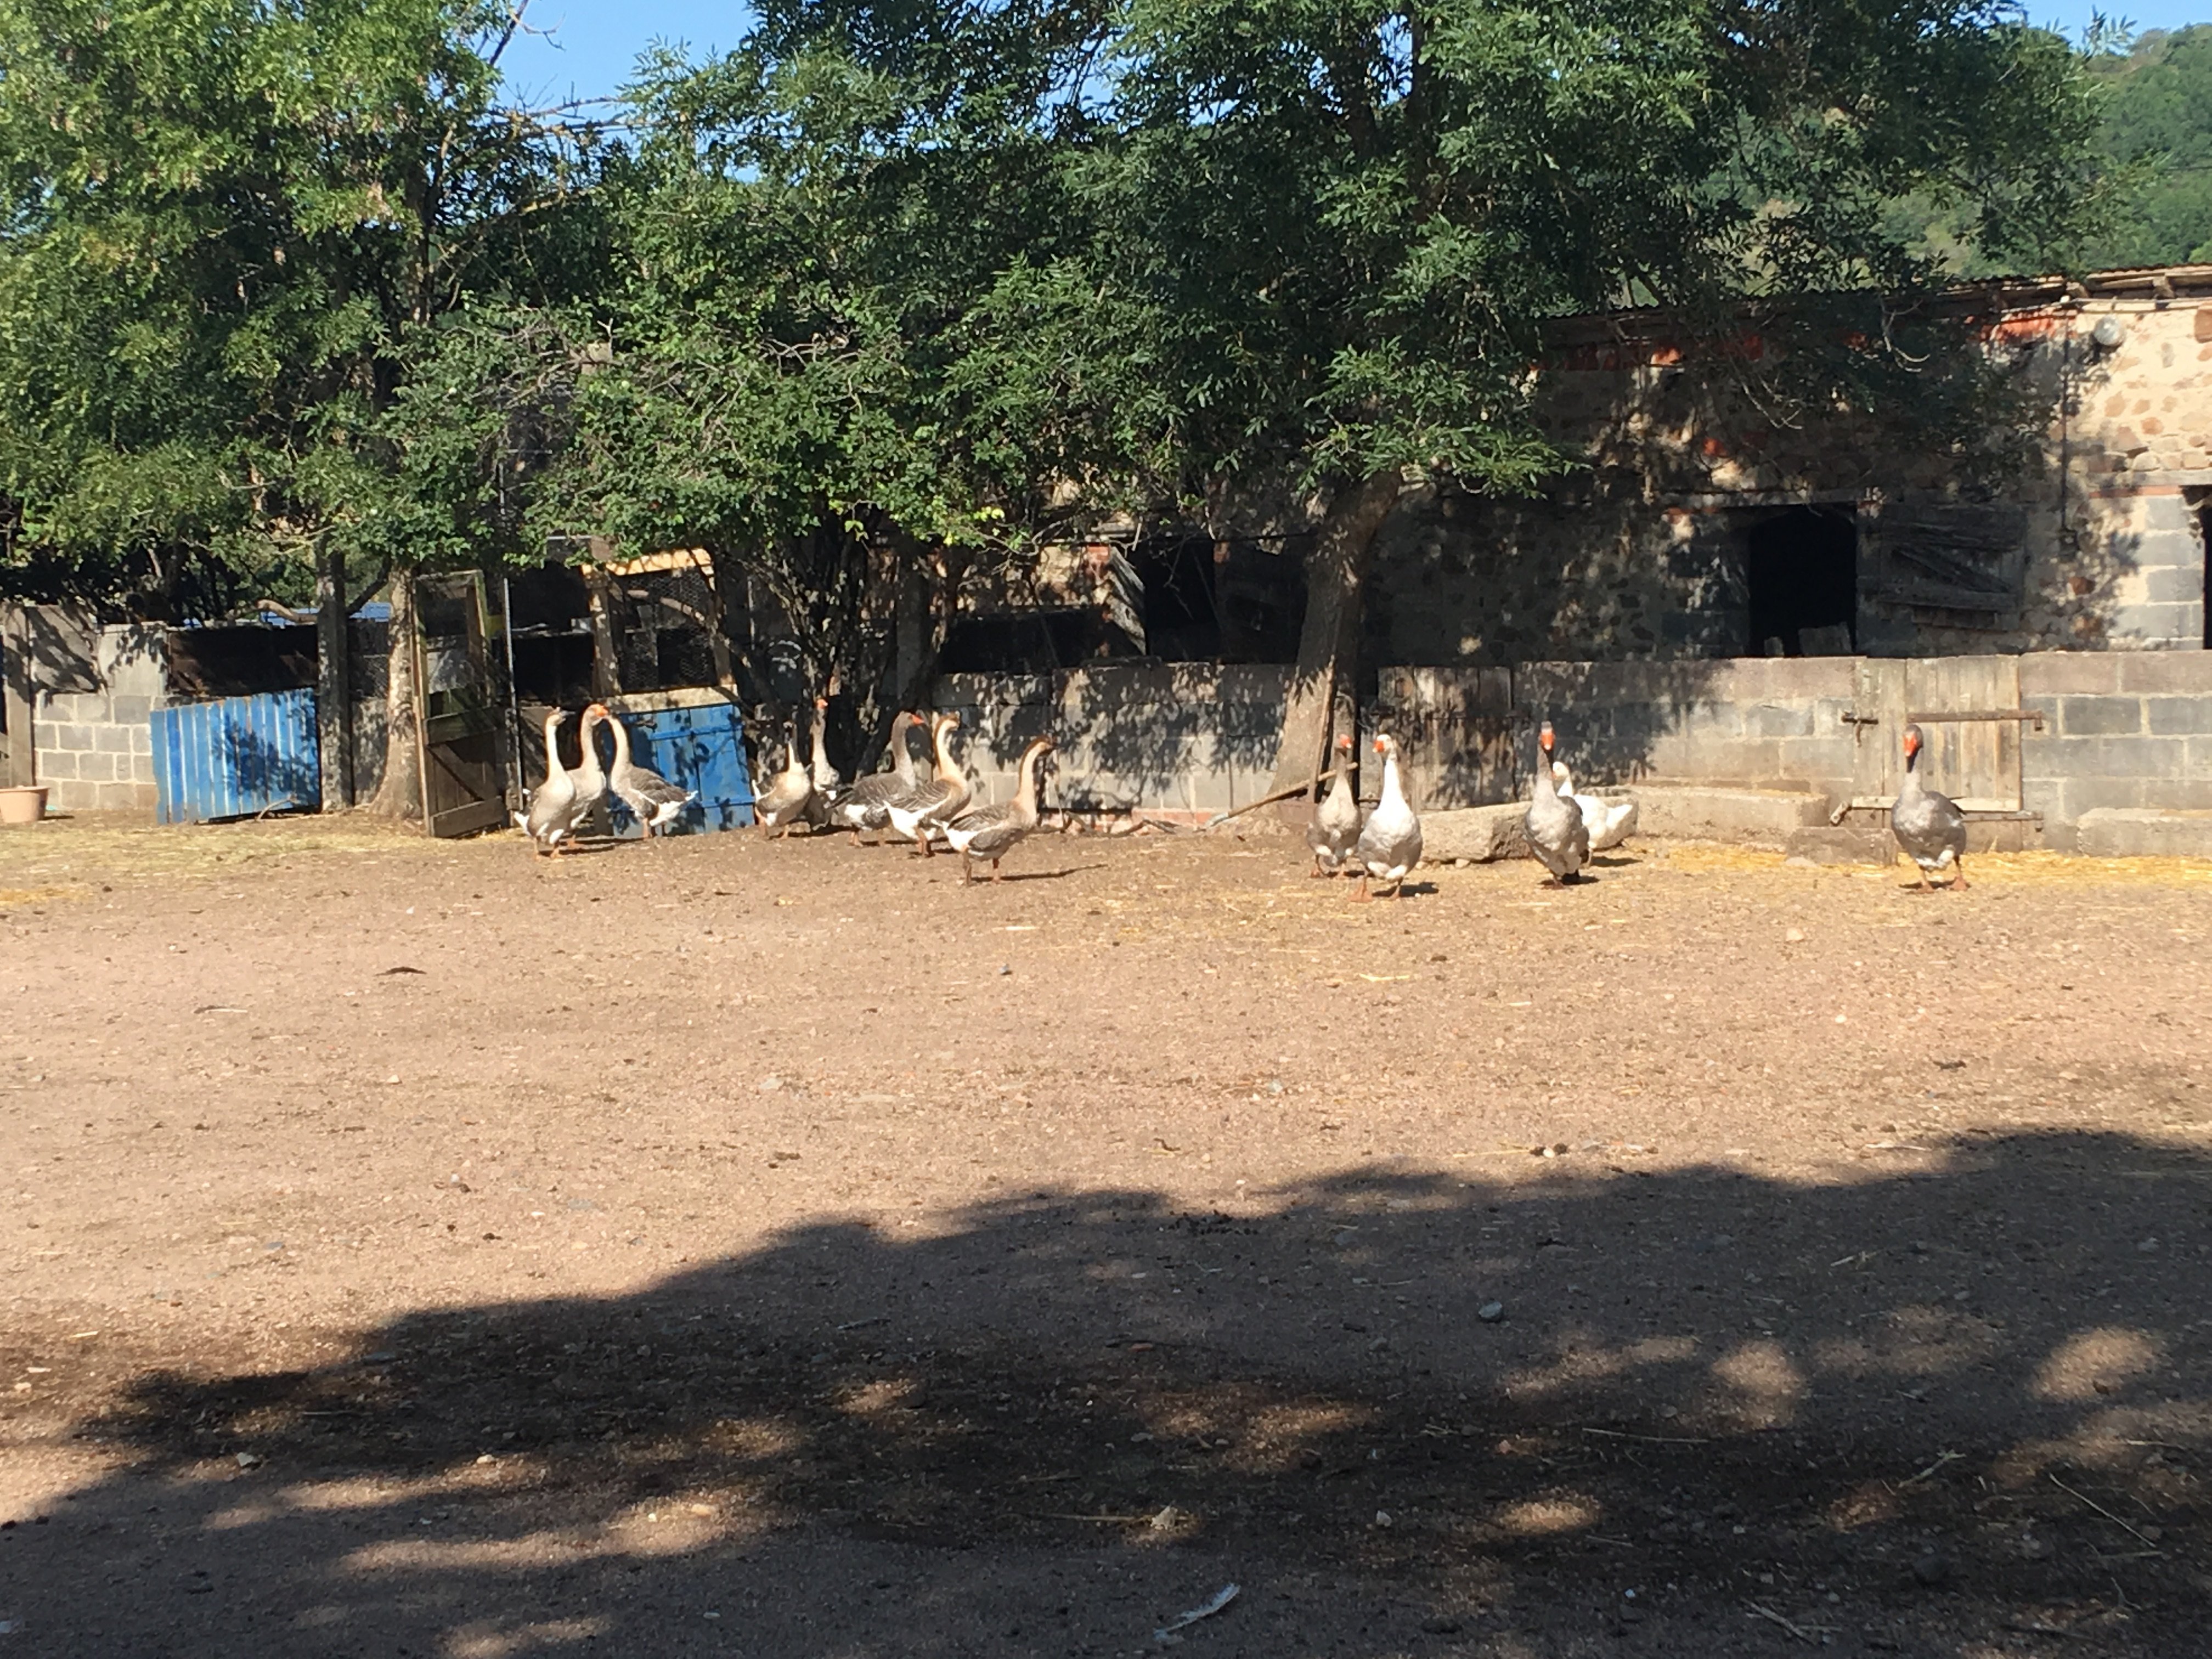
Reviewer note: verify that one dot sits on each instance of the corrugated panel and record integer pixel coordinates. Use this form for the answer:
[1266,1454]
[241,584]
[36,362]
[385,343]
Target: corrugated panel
[701,746]
[236,757]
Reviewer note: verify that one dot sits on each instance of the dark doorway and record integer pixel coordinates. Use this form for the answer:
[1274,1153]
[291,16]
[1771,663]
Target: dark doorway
[1804,573]
[2204,554]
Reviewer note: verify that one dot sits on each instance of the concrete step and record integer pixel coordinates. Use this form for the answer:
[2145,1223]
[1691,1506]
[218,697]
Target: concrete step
[2123,832]
[1751,817]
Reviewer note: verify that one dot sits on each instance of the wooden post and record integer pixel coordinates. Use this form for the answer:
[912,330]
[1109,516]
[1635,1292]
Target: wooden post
[333,679]
[19,764]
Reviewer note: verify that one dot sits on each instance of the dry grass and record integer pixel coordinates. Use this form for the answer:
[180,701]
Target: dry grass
[1999,869]
[74,857]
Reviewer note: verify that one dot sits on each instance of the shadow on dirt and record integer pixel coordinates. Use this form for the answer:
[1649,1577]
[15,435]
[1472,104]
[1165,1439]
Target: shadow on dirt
[1942,1413]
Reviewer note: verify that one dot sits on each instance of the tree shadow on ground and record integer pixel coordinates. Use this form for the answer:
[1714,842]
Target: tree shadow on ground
[1948,1412]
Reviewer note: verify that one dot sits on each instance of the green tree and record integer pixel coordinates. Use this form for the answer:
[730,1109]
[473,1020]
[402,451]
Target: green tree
[2157,132]
[1353,219]
[224,222]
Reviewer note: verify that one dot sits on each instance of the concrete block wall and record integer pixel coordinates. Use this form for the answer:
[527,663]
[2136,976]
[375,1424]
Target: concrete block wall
[95,749]
[2122,730]
[1175,737]
[1745,722]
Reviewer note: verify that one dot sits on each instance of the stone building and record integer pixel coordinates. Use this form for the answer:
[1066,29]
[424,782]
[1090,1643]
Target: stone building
[1700,529]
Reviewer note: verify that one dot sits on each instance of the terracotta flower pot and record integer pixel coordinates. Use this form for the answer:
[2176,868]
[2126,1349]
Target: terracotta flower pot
[27,805]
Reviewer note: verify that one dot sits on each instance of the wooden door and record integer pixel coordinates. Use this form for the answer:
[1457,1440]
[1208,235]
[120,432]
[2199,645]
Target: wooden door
[1975,762]
[463,730]
[1455,731]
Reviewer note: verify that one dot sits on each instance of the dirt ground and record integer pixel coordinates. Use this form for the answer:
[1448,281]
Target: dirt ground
[781,1249]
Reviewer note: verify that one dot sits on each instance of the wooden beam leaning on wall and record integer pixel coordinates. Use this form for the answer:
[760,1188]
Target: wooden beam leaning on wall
[19,759]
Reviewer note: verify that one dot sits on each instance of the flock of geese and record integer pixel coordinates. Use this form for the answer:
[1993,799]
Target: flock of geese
[1381,843]
[922,810]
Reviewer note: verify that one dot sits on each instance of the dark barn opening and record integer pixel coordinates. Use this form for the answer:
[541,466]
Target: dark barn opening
[1802,572]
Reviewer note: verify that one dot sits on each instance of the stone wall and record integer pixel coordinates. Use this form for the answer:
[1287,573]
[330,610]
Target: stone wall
[1189,738]
[2097,542]
[94,746]
[2120,730]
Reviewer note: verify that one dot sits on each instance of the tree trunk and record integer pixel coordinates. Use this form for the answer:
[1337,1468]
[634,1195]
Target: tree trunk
[1328,645]
[400,795]
[334,678]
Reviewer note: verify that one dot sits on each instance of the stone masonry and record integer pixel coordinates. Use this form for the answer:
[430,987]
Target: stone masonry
[2099,543]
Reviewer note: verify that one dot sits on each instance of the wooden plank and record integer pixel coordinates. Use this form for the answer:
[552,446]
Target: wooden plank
[1878,692]
[1976,762]
[19,763]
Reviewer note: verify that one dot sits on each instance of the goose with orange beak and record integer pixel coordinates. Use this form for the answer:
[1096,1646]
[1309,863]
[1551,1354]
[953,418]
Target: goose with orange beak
[1335,823]
[1930,826]
[1556,834]
[1389,844]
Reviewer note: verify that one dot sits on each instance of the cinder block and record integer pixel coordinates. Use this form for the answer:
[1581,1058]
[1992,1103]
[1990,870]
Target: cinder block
[95,767]
[118,797]
[2089,673]
[142,740]
[2156,623]
[2139,833]
[2146,759]
[2101,716]
[2184,672]
[111,739]
[2174,584]
[1759,817]
[2177,717]
[55,765]
[131,710]
[1775,719]
[72,735]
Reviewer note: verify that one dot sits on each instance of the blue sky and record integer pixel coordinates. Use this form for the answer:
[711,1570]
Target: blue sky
[592,43]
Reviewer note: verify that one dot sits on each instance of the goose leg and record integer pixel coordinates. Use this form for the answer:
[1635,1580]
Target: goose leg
[1958,881]
[995,876]
[1360,895]
[1318,874]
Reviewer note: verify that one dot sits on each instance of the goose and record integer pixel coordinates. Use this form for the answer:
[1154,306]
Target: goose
[590,779]
[1611,822]
[653,801]
[1390,843]
[1556,834]
[1930,826]
[551,815]
[826,781]
[1335,824]
[992,832]
[862,806]
[783,803]
[936,799]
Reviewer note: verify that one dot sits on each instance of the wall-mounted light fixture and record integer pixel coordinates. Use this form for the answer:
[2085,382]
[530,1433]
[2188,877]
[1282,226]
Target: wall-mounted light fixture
[2109,334]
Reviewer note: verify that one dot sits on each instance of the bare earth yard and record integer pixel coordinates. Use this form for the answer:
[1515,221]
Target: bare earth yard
[724,1247]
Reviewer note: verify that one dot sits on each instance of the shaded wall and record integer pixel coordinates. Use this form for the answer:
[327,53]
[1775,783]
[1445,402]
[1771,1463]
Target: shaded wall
[2096,541]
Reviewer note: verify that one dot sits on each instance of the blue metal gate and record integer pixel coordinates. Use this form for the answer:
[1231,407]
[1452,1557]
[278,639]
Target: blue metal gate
[235,757]
[699,745]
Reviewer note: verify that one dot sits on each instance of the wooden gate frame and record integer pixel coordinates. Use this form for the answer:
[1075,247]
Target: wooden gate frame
[485,712]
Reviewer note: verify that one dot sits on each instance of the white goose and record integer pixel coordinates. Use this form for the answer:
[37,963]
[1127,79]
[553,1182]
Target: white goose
[552,814]
[1609,823]
[1390,843]
[784,802]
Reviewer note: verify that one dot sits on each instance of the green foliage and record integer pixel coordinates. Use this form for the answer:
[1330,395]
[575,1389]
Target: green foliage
[2158,129]
[218,219]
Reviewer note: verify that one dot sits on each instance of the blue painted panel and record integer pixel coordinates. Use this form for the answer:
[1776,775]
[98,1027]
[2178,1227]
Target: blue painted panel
[236,757]
[704,749]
